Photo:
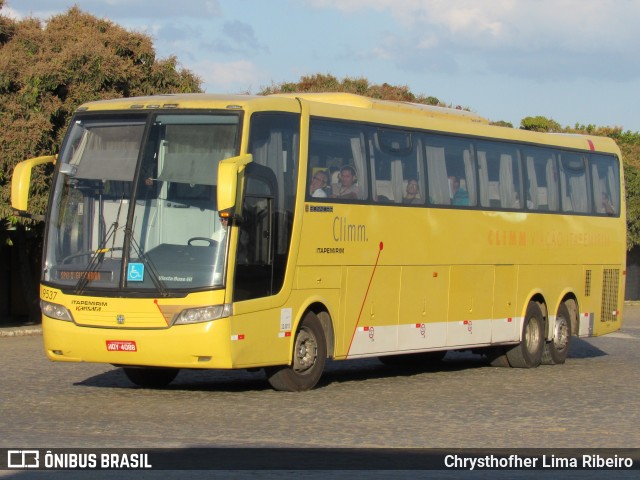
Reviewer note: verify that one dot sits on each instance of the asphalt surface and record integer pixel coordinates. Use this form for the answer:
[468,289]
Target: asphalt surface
[594,402]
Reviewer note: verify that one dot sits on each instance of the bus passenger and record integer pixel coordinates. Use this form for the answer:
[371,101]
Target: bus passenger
[347,187]
[319,184]
[459,195]
[412,194]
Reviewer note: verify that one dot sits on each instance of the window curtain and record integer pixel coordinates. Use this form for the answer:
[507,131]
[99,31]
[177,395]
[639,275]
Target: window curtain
[598,189]
[507,192]
[470,175]
[437,176]
[397,181]
[421,179]
[532,200]
[614,188]
[271,154]
[579,193]
[552,186]
[357,150]
[483,176]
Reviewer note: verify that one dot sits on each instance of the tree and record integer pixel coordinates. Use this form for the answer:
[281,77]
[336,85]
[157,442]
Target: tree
[46,71]
[359,86]
[540,124]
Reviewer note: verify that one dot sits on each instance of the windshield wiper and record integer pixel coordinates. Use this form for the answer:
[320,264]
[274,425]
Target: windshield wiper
[98,256]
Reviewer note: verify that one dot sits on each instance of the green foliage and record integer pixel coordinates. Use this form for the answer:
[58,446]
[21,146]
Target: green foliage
[48,70]
[359,86]
[632,185]
[502,123]
[540,124]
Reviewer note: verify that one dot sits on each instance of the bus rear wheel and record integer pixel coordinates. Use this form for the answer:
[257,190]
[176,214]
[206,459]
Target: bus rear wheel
[556,350]
[309,357]
[528,353]
[151,377]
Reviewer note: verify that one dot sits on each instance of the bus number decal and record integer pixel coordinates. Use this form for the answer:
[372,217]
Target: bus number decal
[48,294]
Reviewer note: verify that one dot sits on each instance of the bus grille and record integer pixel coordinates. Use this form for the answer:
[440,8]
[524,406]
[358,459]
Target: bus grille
[587,283]
[610,280]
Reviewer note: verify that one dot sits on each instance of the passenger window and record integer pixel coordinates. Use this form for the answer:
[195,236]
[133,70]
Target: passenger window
[337,151]
[541,180]
[398,176]
[574,193]
[605,182]
[450,171]
[499,176]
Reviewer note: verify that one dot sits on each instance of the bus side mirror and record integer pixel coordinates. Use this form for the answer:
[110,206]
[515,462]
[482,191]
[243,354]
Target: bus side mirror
[229,177]
[21,181]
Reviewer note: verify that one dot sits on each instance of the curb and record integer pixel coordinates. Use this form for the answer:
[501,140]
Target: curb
[21,331]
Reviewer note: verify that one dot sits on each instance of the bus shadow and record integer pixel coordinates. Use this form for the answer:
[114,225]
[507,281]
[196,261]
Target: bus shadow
[335,372]
[373,369]
[187,380]
[243,381]
[581,348]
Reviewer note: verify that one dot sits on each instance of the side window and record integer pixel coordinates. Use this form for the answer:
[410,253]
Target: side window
[337,156]
[498,175]
[605,180]
[541,179]
[450,171]
[574,192]
[397,176]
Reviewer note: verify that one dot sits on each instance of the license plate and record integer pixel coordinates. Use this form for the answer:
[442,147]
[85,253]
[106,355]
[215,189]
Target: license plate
[121,346]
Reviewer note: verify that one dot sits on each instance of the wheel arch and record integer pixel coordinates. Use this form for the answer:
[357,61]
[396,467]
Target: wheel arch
[321,311]
[538,298]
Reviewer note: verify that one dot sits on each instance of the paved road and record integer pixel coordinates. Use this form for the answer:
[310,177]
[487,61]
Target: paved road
[591,401]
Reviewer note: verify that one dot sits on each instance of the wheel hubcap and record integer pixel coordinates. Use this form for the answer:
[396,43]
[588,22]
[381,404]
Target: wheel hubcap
[533,335]
[306,351]
[561,337]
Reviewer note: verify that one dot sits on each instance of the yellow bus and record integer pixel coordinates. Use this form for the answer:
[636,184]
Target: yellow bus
[226,232]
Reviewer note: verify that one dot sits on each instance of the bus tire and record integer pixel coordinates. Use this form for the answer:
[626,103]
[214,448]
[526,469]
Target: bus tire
[309,357]
[528,353]
[556,350]
[151,377]
[497,357]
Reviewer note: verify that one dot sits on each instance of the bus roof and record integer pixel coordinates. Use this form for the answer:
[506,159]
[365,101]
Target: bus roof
[192,100]
[461,121]
[352,100]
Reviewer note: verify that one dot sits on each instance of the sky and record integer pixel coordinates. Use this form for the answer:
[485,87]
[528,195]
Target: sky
[575,61]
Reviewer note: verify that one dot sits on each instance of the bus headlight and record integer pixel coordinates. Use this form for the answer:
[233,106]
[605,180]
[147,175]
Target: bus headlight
[203,314]
[54,310]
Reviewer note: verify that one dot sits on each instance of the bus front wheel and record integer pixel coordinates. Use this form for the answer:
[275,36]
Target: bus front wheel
[151,377]
[309,356]
[528,353]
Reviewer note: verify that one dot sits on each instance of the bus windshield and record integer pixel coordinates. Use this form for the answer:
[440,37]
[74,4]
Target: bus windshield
[134,204]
